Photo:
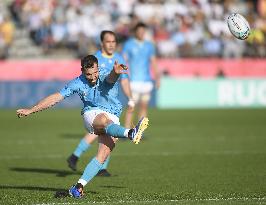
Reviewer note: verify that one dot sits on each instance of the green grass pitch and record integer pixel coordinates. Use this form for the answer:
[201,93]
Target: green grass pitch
[187,157]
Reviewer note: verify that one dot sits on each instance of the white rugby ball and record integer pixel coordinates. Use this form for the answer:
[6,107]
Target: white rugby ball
[238,26]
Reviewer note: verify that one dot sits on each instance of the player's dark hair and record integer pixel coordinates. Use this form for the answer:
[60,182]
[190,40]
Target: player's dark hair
[88,62]
[104,32]
[140,25]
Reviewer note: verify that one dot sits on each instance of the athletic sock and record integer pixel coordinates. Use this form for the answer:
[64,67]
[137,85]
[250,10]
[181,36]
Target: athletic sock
[82,147]
[105,164]
[90,171]
[116,130]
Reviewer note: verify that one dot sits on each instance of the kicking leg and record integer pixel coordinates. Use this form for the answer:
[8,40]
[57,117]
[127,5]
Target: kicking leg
[103,125]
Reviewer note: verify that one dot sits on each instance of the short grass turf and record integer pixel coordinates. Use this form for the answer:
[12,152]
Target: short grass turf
[186,157]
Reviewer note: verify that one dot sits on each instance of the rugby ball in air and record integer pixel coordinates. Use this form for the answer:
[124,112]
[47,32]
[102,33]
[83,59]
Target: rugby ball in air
[238,26]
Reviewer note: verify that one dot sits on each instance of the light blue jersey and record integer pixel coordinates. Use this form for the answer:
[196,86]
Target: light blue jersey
[106,63]
[139,56]
[102,95]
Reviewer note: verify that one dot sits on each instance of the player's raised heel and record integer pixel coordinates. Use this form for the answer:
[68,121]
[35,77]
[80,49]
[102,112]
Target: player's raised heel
[139,129]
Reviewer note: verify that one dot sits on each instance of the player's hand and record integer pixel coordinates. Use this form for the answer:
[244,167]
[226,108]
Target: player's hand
[120,68]
[131,105]
[23,112]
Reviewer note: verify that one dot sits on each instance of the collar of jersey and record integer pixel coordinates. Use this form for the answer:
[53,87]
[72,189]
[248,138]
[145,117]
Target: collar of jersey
[139,42]
[107,56]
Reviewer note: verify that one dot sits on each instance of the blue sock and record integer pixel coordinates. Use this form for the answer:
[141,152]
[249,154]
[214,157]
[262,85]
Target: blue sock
[82,147]
[90,171]
[105,164]
[115,130]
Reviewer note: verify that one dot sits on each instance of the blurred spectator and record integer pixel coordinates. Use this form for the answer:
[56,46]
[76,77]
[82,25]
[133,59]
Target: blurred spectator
[256,44]
[6,36]
[231,47]
[58,31]
[43,36]
[212,46]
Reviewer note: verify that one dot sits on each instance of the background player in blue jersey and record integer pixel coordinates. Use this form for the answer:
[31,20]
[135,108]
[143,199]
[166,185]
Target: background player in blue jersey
[106,58]
[140,56]
[101,111]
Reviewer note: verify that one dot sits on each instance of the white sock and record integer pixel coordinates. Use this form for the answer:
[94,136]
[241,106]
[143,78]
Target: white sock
[126,133]
[83,182]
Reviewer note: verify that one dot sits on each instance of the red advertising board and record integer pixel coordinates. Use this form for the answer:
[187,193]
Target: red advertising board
[34,70]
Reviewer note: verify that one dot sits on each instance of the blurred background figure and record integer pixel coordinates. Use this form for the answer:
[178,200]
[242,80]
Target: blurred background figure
[6,35]
[140,55]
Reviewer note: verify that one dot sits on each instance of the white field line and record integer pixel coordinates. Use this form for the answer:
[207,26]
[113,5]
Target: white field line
[161,201]
[164,154]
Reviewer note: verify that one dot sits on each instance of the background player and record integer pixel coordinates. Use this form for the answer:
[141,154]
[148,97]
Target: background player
[140,55]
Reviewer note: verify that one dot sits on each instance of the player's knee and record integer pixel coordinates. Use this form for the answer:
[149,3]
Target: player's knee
[100,122]
[145,99]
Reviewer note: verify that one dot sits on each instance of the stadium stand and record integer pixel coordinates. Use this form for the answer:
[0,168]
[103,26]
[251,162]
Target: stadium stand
[191,28]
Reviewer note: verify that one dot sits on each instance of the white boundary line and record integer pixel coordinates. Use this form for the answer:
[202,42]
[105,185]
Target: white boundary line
[160,201]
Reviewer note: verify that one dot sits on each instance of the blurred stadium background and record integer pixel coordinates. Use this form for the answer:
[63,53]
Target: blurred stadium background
[207,155]
[43,40]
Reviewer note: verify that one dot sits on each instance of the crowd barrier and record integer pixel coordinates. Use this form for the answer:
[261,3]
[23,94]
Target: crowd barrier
[211,67]
[211,93]
[67,69]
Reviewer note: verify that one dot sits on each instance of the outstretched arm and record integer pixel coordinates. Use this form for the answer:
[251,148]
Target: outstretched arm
[117,70]
[45,103]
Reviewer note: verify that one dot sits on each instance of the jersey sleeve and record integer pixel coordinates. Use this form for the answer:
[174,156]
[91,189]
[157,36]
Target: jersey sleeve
[70,88]
[123,76]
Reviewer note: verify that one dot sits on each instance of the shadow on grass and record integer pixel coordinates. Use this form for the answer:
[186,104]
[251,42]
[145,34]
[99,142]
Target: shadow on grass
[145,137]
[58,173]
[34,188]
[59,193]
[72,136]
